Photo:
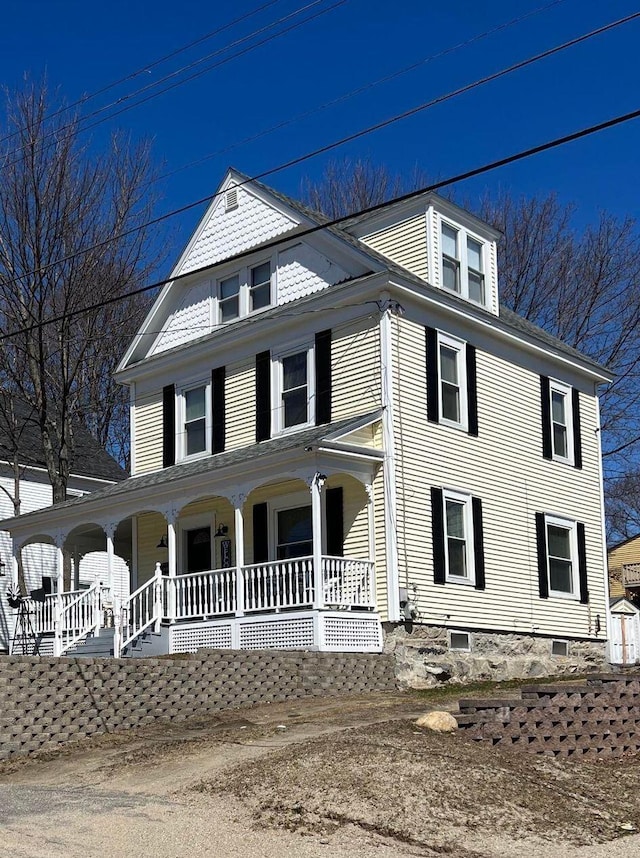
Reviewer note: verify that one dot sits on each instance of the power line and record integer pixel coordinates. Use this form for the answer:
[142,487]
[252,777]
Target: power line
[365,88]
[330,146]
[469,174]
[80,127]
[147,68]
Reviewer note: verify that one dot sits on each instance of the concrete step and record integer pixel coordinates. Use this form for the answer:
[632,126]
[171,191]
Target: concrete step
[94,646]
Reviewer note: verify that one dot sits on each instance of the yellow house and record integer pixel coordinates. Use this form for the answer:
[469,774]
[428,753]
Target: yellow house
[624,568]
[338,431]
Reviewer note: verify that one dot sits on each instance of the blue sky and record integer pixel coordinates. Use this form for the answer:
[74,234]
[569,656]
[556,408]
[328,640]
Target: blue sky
[82,47]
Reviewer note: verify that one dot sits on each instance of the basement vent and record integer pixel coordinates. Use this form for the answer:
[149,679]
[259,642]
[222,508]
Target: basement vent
[231,200]
[460,641]
[559,647]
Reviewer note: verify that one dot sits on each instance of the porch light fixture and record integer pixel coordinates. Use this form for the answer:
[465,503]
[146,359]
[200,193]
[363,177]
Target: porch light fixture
[163,542]
[222,530]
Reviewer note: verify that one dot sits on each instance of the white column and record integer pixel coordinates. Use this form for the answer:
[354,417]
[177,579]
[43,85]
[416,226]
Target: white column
[15,554]
[57,641]
[316,523]
[110,531]
[238,528]
[372,542]
[172,548]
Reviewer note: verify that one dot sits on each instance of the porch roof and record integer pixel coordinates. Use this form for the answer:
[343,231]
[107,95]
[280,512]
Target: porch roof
[171,483]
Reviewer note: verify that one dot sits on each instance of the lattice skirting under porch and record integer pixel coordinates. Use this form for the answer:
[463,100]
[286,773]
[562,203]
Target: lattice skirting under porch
[326,631]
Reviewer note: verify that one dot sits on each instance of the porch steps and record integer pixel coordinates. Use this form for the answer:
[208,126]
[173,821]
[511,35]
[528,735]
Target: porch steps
[147,645]
[93,646]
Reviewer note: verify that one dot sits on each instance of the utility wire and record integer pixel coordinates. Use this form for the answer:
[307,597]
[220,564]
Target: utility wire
[147,68]
[78,126]
[361,89]
[469,174]
[330,146]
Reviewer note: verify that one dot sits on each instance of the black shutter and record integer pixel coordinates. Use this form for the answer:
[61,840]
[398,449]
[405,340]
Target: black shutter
[541,541]
[168,425]
[582,564]
[437,535]
[577,433]
[472,390]
[263,396]
[323,377]
[260,533]
[217,409]
[432,374]
[335,522]
[478,542]
[545,410]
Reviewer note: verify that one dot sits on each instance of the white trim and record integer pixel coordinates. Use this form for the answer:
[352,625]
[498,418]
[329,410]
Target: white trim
[565,390]
[181,433]
[466,500]
[603,532]
[463,234]
[570,525]
[390,495]
[132,428]
[460,347]
[277,383]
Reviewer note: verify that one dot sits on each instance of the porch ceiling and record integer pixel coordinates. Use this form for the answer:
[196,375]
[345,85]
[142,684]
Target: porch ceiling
[224,474]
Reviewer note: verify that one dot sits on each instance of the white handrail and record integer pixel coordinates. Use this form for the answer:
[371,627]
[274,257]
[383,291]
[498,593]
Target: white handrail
[204,594]
[143,608]
[278,584]
[77,618]
[348,582]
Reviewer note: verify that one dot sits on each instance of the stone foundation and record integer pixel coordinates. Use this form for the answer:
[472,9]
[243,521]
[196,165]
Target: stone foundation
[424,658]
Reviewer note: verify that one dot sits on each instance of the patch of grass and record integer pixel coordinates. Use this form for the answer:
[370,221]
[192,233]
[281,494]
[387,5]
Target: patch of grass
[444,693]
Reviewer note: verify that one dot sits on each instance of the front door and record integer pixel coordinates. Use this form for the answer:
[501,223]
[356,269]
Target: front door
[197,549]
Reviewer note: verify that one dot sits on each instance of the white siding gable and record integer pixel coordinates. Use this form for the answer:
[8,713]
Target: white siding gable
[225,233]
[191,318]
[303,270]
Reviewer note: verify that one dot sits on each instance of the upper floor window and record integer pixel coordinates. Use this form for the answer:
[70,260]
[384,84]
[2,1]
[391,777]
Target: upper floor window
[294,387]
[452,381]
[561,431]
[243,292]
[195,420]
[463,264]
[260,289]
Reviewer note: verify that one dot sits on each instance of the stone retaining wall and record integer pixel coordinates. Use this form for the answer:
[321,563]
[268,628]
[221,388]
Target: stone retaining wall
[45,702]
[424,659]
[599,719]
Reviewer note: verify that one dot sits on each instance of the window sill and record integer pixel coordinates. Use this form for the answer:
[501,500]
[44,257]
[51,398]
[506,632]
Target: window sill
[193,457]
[562,460]
[558,594]
[290,430]
[456,579]
[451,425]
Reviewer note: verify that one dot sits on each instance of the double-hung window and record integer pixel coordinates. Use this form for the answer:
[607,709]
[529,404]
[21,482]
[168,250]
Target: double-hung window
[196,420]
[260,286]
[458,526]
[229,298]
[561,432]
[452,381]
[462,263]
[294,385]
[562,563]
[458,538]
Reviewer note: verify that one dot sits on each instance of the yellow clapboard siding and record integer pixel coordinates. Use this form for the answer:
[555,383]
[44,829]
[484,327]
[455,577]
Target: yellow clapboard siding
[355,369]
[148,432]
[505,468]
[405,243]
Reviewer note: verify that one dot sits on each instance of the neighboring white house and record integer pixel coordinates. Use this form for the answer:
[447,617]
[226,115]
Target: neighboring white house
[92,469]
[338,432]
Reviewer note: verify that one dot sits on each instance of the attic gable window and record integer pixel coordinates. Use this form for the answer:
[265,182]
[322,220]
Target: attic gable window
[462,263]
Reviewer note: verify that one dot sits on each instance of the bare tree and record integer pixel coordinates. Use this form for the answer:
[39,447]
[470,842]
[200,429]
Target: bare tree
[347,186]
[61,205]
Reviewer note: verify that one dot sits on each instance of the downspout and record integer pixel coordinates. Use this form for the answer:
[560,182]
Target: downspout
[389,463]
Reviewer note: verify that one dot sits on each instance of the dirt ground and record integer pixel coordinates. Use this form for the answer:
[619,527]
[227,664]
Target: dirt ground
[333,777]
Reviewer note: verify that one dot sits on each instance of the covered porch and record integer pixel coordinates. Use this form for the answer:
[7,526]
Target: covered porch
[285,559]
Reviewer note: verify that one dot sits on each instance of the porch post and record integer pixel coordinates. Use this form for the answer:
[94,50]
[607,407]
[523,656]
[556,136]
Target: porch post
[372,544]
[171,516]
[238,528]
[316,523]
[15,553]
[110,531]
[57,640]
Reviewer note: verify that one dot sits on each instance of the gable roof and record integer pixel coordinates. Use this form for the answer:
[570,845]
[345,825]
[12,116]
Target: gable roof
[89,458]
[507,318]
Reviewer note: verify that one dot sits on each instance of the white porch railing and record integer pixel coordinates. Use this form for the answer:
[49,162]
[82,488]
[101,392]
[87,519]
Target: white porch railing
[77,618]
[348,583]
[279,584]
[145,607]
